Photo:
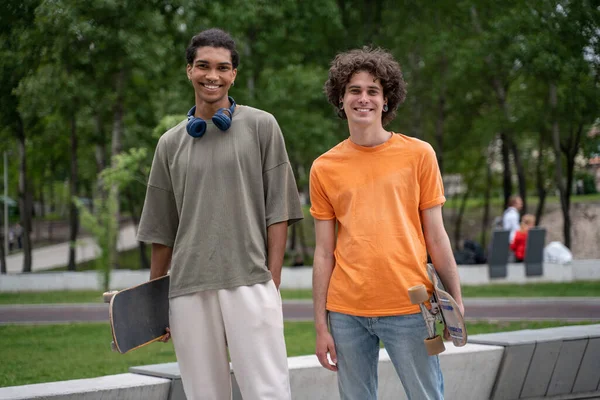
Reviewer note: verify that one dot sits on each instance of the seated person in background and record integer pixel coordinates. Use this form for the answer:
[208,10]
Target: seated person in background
[520,239]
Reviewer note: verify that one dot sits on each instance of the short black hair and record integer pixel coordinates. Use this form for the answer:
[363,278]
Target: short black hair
[212,38]
[377,62]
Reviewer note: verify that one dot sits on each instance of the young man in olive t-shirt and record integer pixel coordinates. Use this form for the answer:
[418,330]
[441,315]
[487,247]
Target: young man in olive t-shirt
[383,191]
[220,197]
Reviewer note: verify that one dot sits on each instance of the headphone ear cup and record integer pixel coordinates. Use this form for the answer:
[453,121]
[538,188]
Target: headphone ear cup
[196,127]
[221,119]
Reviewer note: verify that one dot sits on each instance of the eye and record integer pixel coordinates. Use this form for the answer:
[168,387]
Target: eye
[224,68]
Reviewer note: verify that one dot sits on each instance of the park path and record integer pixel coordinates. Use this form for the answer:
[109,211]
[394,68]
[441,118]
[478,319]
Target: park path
[57,255]
[477,309]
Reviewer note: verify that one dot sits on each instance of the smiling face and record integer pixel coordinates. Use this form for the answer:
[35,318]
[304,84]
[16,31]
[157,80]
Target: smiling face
[363,100]
[212,74]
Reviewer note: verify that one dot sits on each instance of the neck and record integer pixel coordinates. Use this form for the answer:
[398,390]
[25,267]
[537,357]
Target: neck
[206,110]
[370,136]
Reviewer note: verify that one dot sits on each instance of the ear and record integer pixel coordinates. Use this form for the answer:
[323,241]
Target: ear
[234,71]
[188,71]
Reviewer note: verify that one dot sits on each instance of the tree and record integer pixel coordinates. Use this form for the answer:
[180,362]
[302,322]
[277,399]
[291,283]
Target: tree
[16,17]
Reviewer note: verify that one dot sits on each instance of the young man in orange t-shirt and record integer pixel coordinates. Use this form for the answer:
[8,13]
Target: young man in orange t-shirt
[383,191]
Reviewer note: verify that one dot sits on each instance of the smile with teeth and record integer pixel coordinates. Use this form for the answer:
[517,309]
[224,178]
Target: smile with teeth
[211,87]
[363,109]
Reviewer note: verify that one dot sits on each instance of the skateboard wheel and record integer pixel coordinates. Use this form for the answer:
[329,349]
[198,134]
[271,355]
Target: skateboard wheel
[435,345]
[418,294]
[113,346]
[106,296]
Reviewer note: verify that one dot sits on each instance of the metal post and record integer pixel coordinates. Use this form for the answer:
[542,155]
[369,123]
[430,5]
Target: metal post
[5,205]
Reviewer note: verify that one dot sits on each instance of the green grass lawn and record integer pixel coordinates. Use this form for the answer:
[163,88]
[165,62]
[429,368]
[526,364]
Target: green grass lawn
[570,289]
[46,353]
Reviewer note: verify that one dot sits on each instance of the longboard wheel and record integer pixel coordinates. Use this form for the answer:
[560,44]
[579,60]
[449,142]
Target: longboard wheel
[113,346]
[107,296]
[435,345]
[418,294]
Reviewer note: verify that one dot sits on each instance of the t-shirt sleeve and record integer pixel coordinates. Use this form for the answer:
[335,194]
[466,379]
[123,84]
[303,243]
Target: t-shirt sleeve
[431,185]
[160,219]
[282,201]
[321,207]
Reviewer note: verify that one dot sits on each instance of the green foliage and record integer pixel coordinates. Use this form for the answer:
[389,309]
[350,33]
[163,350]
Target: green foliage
[74,65]
[127,167]
[104,228]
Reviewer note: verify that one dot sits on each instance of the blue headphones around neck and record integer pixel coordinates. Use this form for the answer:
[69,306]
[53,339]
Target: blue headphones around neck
[196,127]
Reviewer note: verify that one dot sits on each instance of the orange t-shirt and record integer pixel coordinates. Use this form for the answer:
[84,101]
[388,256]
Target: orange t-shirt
[376,195]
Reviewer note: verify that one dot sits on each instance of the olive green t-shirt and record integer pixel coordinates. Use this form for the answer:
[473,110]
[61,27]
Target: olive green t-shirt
[212,198]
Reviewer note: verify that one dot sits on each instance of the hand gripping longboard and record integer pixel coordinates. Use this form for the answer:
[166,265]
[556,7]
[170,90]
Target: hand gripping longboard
[138,315]
[444,310]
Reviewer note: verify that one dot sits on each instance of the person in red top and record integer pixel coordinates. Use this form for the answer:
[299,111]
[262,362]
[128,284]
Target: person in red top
[520,240]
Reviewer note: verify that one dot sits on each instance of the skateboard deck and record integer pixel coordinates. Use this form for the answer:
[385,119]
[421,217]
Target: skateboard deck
[444,310]
[139,315]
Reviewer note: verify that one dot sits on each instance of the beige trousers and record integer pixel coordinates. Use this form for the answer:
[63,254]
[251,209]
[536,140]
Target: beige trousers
[248,321]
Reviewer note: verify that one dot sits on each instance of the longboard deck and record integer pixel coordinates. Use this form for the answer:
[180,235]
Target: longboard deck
[140,315]
[452,317]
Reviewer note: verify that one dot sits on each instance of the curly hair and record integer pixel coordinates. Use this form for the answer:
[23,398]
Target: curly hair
[376,62]
[212,38]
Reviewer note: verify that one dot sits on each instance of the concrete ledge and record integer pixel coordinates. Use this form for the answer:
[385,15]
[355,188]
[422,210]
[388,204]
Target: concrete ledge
[67,280]
[308,380]
[551,362]
[123,386]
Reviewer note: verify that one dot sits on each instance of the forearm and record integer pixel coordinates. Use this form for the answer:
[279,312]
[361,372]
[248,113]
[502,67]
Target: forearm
[276,241]
[160,260]
[322,269]
[440,250]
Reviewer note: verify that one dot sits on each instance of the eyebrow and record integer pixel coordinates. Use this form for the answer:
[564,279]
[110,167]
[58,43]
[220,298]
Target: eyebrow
[208,62]
[368,87]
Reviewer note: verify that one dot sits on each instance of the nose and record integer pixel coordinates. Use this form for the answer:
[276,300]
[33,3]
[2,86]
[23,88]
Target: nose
[363,98]
[211,75]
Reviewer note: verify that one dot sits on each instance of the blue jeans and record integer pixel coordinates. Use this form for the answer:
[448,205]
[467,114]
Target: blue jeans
[357,347]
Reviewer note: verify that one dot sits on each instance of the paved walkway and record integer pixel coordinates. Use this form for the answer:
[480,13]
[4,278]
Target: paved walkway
[57,255]
[484,309]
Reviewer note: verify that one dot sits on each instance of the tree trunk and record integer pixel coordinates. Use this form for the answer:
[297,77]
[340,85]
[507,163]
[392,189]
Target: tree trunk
[520,175]
[117,135]
[135,217]
[2,254]
[486,205]
[564,201]
[416,105]
[539,181]
[302,240]
[500,89]
[52,193]
[292,242]
[24,199]
[463,202]
[459,219]
[42,202]
[506,174]
[251,81]
[73,213]
[441,114]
